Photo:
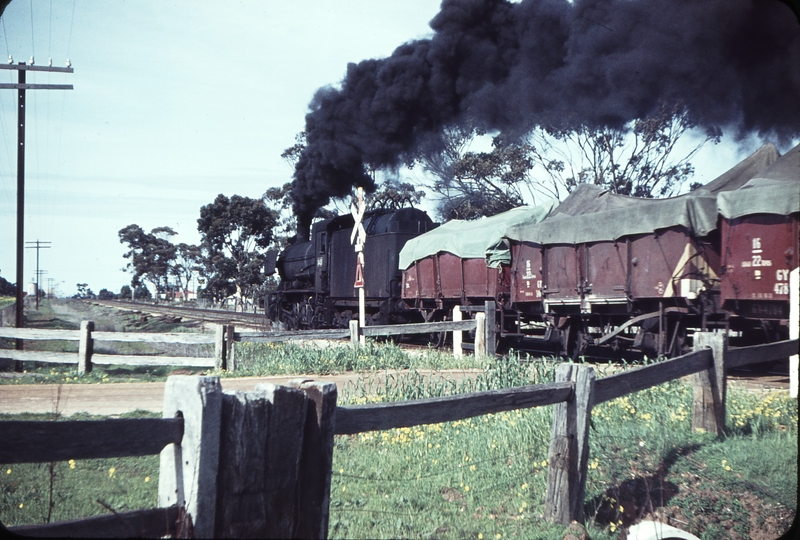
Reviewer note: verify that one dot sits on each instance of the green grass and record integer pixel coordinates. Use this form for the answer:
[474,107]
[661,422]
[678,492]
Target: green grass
[261,359]
[29,492]
[487,476]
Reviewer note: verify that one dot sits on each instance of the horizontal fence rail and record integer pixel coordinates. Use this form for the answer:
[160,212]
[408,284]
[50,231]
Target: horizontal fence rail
[272,337]
[39,356]
[43,441]
[645,377]
[417,328]
[145,360]
[39,334]
[152,523]
[148,337]
[352,419]
[756,354]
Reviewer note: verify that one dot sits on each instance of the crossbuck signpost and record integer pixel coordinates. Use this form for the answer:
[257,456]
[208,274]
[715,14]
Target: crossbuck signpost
[358,237]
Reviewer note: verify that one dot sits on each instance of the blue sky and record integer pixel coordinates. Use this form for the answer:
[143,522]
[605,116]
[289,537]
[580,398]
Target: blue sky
[174,102]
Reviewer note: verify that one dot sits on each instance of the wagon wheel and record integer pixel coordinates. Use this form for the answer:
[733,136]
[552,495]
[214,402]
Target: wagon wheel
[437,339]
[579,344]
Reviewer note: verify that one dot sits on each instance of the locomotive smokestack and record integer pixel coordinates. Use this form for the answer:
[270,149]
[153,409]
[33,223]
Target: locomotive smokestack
[303,231]
[510,67]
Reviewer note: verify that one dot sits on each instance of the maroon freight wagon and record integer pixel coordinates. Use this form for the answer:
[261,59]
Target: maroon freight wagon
[444,279]
[760,246]
[462,263]
[592,273]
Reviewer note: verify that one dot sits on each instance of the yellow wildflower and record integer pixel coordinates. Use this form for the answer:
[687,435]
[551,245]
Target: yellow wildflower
[111,472]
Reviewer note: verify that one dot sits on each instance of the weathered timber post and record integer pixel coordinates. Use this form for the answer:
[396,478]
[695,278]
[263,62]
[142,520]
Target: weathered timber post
[794,328]
[480,334]
[490,328]
[354,341]
[230,339]
[188,472]
[85,347]
[259,463]
[458,352]
[710,386]
[219,347]
[569,447]
[317,458]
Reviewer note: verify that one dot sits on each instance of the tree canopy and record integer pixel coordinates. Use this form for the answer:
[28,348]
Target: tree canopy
[150,255]
[640,159]
[235,233]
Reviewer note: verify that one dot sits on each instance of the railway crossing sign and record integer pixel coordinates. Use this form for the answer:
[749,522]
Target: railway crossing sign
[359,237]
[359,234]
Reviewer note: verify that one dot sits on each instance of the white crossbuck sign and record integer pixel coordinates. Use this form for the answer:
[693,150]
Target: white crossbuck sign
[358,227]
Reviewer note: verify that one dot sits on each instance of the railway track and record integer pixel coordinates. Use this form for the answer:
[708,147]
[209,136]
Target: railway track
[249,320]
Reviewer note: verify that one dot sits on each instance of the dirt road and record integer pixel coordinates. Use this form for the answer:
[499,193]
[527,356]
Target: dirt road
[115,398]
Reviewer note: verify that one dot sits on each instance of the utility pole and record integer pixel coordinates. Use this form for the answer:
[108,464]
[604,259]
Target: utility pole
[39,245]
[21,87]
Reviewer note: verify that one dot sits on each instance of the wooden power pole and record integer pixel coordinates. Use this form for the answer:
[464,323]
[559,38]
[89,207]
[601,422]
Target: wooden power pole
[21,86]
[39,245]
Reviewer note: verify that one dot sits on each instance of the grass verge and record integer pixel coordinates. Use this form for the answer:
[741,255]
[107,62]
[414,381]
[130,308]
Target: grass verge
[32,493]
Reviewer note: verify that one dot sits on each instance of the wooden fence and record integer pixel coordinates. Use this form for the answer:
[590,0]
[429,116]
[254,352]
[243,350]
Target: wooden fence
[224,338]
[259,463]
[233,465]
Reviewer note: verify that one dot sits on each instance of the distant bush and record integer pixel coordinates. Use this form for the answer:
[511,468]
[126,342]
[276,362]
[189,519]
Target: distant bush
[105,294]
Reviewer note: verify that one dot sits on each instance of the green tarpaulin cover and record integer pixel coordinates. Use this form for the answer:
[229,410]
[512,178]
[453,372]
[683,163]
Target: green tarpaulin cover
[776,190]
[627,216]
[592,214]
[764,182]
[474,239]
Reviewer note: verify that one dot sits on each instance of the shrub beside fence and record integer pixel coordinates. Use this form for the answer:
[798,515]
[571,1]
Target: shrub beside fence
[259,463]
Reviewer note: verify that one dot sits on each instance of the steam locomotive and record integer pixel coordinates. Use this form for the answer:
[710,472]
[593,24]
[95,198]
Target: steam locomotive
[597,271]
[318,276]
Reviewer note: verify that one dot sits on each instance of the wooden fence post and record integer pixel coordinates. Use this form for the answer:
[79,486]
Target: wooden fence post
[458,352]
[480,335]
[709,387]
[354,341]
[490,328]
[188,472]
[219,347]
[317,458]
[230,339]
[85,347]
[259,462]
[569,447]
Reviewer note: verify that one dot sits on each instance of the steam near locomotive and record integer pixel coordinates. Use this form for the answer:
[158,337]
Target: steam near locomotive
[596,270]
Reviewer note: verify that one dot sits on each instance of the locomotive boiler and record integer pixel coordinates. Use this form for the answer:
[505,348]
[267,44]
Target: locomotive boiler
[318,276]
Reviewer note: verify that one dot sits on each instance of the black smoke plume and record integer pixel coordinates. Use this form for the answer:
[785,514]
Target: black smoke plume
[497,65]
